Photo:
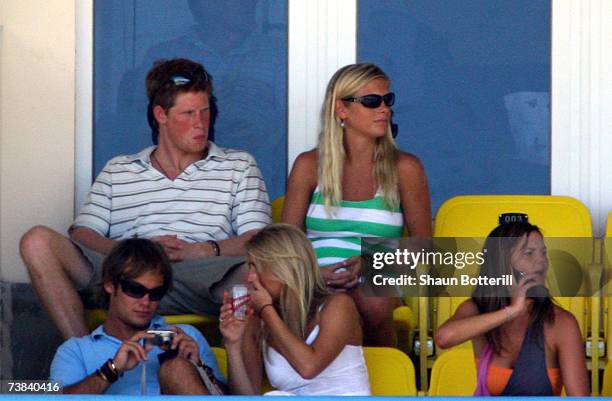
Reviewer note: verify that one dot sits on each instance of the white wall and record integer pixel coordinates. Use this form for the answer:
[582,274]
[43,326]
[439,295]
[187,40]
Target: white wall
[37,64]
[582,105]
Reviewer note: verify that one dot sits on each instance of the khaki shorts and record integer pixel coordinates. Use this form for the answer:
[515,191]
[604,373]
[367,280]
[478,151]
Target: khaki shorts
[192,281]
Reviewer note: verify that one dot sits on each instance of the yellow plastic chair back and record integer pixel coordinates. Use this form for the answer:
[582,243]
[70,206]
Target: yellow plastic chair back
[404,323]
[477,215]
[454,373]
[557,216]
[277,209]
[391,371]
[609,226]
[221,356]
[607,292]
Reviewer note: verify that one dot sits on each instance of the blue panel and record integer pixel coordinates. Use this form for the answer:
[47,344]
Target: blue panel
[243,44]
[472,79]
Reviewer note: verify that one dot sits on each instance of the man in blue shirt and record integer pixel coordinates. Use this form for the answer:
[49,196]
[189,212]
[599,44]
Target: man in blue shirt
[119,356]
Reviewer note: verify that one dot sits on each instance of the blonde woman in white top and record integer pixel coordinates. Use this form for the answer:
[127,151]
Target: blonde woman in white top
[308,339]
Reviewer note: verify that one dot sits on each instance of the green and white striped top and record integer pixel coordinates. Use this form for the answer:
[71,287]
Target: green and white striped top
[338,237]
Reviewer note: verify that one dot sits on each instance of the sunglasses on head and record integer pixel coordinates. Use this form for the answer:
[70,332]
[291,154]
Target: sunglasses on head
[135,290]
[187,78]
[372,101]
[184,78]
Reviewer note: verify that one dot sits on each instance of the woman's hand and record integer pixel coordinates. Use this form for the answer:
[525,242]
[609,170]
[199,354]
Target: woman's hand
[518,290]
[259,295]
[343,276]
[336,277]
[232,329]
[354,267]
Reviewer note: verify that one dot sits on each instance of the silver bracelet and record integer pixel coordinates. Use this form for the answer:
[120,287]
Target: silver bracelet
[508,314]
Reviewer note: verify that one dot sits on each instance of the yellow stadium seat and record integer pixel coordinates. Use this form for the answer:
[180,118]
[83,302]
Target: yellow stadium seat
[277,208]
[454,373]
[221,356]
[606,300]
[558,217]
[607,290]
[404,323]
[391,371]
[475,215]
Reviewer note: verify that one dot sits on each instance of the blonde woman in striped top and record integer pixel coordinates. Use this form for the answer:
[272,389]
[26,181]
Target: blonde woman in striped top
[357,183]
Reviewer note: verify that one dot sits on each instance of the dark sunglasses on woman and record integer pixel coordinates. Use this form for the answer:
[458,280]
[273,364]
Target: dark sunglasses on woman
[135,290]
[372,101]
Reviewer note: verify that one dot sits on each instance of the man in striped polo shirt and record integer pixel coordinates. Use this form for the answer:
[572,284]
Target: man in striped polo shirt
[199,201]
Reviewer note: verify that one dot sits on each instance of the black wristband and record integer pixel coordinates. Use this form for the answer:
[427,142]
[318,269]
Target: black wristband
[106,370]
[215,247]
[262,308]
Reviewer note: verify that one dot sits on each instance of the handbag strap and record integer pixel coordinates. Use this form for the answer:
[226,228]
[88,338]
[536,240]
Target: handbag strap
[209,380]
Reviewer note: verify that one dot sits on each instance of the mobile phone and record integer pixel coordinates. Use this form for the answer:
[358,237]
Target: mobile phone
[518,275]
[539,291]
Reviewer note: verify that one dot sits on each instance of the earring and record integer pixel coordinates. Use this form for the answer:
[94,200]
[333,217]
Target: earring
[342,124]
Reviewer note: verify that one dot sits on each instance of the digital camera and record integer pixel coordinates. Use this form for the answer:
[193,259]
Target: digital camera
[163,338]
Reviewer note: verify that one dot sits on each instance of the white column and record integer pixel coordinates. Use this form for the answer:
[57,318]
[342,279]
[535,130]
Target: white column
[83,153]
[322,38]
[581,109]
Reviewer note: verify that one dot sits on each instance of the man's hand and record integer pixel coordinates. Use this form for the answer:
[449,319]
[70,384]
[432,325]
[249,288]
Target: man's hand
[179,250]
[131,352]
[187,346]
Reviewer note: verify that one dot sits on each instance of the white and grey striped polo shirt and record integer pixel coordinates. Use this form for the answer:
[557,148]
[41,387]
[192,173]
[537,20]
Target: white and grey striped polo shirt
[216,198]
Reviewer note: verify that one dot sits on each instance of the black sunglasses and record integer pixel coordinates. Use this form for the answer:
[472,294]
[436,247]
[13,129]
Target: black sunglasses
[372,101]
[135,290]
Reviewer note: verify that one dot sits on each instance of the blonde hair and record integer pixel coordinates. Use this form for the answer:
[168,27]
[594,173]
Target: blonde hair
[284,251]
[346,82]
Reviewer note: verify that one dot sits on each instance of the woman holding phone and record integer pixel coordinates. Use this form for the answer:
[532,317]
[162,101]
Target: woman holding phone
[523,342]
